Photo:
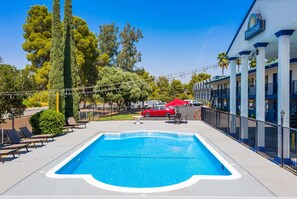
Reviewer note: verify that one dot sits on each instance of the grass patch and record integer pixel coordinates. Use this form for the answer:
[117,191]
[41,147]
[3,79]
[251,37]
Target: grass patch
[119,117]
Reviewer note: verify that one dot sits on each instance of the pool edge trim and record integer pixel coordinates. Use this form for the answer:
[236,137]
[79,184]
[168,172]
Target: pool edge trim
[191,181]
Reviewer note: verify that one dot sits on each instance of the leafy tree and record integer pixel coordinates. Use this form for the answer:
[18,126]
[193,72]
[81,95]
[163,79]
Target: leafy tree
[108,44]
[142,73]
[195,79]
[163,84]
[223,61]
[11,80]
[120,87]
[1,60]
[130,89]
[27,79]
[87,53]
[238,63]
[56,69]
[253,63]
[129,55]
[146,86]
[70,65]
[103,61]
[155,91]
[270,60]
[41,76]
[145,90]
[176,89]
[37,34]
[108,84]
[163,88]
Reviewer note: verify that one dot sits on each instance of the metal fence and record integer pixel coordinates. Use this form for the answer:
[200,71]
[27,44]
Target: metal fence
[95,113]
[233,126]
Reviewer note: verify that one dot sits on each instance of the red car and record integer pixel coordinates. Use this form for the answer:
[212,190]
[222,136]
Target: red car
[157,111]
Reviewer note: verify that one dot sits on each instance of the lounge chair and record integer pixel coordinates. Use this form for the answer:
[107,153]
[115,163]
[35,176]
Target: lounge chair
[71,122]
[15,146]
[67,128]
[28,134]
[14,138]
[177,118]
[184,119]
[6,152]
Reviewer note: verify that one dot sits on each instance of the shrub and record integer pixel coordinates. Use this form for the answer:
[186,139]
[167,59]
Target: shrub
[34,121]
[29,103]
[47,122]
[37,100]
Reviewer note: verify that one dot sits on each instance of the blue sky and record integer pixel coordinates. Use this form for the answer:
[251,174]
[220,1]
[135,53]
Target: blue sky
[179,35]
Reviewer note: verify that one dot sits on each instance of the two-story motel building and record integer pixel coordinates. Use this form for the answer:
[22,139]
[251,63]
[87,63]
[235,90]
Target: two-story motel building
[267,31]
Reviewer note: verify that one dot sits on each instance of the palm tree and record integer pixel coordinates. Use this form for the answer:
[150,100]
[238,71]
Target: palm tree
[253,63]
[238,63]
[223,61]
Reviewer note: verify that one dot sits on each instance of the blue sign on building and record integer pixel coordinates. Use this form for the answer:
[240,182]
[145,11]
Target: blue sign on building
[255,26]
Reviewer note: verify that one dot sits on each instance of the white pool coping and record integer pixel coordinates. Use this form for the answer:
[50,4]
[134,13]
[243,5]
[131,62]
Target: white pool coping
[191,181]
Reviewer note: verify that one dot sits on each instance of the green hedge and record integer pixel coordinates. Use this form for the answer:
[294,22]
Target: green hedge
[34,121]
[47,122]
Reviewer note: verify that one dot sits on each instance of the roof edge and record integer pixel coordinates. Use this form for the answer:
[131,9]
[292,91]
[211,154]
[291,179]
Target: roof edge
[251,70]
[246,16]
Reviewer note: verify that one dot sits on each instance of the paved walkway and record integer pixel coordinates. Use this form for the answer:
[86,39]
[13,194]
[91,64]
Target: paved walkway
[24,177]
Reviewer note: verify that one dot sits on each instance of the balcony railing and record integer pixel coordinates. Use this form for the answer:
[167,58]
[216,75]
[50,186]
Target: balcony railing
[231,125]
[270,90]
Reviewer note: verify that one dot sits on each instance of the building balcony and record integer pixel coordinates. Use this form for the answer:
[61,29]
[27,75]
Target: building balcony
[270,91]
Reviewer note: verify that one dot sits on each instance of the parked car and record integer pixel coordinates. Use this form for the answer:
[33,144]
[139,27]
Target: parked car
[161,103]
[158,111]
[194,103]
[151,103]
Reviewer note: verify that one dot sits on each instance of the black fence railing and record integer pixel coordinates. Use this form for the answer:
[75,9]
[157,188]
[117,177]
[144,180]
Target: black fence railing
[95,113]
[245,130]
[270,89]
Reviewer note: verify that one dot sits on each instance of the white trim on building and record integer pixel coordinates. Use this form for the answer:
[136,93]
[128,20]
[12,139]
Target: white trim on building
[267,31]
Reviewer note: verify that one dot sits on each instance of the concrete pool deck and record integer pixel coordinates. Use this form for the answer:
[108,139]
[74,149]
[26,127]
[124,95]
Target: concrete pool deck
[24,177]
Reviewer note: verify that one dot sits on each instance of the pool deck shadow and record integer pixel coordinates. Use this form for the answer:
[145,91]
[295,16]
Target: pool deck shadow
[24,177]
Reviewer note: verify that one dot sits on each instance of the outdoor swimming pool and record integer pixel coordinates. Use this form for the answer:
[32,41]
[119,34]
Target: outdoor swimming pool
[145,162]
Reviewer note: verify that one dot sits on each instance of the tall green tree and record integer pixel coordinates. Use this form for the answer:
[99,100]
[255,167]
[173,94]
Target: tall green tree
[129,55]
[163,88]
[70,66]
[37,34]
[86,55]
[176,89]
[223,61]
[87,52]
[27,80]
[11,80]
[253,63]
[56,77]
[195,79]
[108,43]
[270,60]
[238,63]
[118,86]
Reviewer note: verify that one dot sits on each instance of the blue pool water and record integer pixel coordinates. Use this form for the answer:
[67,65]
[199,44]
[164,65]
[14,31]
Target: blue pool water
[145,160]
